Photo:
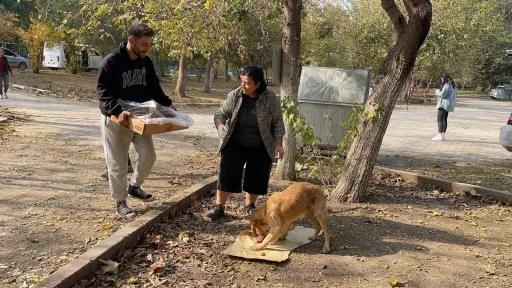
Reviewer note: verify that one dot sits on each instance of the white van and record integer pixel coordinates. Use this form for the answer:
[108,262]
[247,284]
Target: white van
[89,58]
[54,57]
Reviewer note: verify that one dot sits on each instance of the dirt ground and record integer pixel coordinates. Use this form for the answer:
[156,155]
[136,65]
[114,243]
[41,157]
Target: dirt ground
[83,86]
[405,236]
[55,206]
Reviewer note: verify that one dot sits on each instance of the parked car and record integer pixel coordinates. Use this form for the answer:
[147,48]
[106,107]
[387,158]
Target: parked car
[15,60]
[505,138]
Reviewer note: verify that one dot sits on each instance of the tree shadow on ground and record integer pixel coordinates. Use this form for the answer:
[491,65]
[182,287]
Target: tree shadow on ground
[359,236]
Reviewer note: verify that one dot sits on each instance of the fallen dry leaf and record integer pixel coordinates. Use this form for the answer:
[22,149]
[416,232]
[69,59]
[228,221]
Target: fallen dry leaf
[64,258]
[157,283]
[397,283]
[32,240]
[9,280]
[157,266]
[107,226]
[436,213]
[83,283]
[158,241]
[110,267]
[133,280]
[383,213]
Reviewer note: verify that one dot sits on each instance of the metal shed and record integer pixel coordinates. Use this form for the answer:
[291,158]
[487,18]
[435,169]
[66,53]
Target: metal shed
[326,99]
[504,92]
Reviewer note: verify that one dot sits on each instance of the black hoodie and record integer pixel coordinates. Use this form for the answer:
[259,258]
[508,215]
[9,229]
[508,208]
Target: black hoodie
[120,77]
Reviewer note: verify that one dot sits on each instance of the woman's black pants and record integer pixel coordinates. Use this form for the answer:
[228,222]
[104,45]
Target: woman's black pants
[442,120]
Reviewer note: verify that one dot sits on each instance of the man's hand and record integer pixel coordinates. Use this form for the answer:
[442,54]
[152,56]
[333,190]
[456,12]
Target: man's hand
[12,74]
[279,152]
[222,130]
[122,119]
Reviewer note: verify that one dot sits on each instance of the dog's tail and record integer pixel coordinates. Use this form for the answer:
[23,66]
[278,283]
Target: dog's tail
[327,193]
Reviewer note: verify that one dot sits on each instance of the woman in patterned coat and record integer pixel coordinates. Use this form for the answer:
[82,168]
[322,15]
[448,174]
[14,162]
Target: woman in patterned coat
[251,128]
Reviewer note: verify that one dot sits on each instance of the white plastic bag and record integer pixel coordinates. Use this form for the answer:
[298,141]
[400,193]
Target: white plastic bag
[153,113]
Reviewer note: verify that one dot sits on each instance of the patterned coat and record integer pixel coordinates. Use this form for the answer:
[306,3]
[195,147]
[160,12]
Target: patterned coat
[268,113]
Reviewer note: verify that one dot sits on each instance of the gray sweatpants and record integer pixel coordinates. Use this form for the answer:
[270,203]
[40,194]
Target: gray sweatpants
[116,143]
[5,78]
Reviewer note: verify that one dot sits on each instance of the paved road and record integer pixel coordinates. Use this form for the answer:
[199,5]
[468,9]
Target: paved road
[471,137]
[472,134]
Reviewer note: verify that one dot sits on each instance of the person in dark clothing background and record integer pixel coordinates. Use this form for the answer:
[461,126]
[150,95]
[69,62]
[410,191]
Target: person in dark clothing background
[5,69]
[130,75]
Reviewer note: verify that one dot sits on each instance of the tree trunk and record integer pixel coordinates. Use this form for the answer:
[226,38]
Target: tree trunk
[362,155]
[429,81]
[407,95]
[290,81]
[213,74]
[199,71]
[207,86]
[226,69]
[179,91]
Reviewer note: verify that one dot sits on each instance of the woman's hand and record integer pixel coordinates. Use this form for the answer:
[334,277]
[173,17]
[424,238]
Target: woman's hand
[222,130]
[279,152]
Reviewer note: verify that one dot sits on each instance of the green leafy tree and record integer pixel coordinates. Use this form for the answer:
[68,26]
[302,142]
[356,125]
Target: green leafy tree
[464,35]
[412,30]
[8,23]
[34,38]
[22,9]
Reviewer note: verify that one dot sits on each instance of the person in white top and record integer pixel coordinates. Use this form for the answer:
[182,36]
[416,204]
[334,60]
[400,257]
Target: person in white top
[446,98]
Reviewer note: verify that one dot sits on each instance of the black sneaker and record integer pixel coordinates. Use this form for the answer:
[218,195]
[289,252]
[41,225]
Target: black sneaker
[216,213]
[248,208]
[105,174]
[137,192]
[124,211]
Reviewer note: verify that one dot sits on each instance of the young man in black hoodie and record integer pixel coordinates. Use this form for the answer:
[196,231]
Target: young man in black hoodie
[128,74]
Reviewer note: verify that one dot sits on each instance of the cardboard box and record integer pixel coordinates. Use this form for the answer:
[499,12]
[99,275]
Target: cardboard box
[143,128]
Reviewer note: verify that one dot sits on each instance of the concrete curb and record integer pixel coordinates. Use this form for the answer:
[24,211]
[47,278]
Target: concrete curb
[449,186]
[86,264]
[27,88]
[179,105]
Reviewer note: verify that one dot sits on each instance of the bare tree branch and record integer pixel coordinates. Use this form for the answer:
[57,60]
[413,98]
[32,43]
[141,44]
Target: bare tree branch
[418,11]
[395,15]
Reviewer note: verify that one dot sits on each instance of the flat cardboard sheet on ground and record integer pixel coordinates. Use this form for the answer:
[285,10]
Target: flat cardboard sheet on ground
[277,252]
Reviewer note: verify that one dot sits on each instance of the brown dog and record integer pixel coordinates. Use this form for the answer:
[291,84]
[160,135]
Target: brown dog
[282,209]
